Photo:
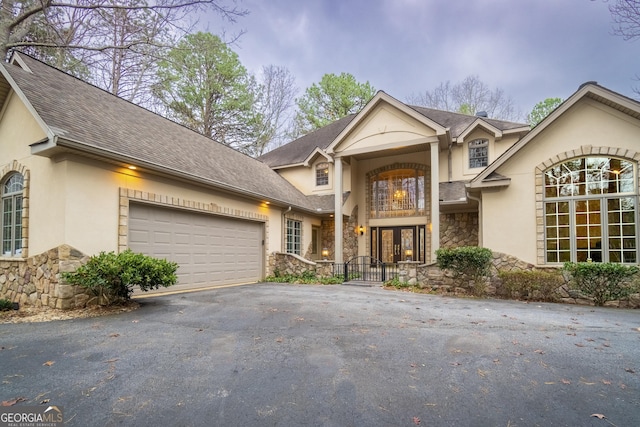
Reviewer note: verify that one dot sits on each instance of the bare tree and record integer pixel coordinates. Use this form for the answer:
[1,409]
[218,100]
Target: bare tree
[130,73]
[17,17]
[468,97]
[115,44]
[626,18]
[276,98]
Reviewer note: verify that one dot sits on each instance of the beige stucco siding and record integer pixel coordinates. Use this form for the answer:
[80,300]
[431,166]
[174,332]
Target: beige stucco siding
[384,126]
[304,178]
[18,129]
[509,215]
[92,203]
[460,155]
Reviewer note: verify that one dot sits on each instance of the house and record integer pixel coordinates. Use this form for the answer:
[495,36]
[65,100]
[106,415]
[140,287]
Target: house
[84,171]
[566,190]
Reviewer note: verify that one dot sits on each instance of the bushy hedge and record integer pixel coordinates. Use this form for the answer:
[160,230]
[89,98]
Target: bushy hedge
[469,264]
[529,285]
[307,277]
[113,276]
[602,281]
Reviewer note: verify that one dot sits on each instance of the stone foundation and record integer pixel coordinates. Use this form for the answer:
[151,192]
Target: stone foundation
[429,276]
[36,281]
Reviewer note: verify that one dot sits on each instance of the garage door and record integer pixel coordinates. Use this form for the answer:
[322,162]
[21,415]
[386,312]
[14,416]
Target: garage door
[210,250]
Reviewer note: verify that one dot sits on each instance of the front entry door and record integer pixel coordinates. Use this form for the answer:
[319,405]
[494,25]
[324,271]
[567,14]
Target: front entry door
[397,244]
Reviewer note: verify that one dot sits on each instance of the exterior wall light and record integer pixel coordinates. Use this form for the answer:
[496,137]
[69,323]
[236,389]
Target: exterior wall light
[408,254]
[325,253]
[361,230]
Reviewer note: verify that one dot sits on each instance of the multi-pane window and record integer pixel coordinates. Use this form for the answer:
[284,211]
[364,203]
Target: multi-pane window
[294,236]
[322,174]
[396,193]
[12,215]
[591,211]
[478,153]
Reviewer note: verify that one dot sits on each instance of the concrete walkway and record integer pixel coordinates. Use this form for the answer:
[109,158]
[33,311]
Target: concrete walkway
[289,355]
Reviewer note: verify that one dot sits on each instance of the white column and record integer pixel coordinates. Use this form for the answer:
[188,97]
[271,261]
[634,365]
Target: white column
[337,181]
[435,199]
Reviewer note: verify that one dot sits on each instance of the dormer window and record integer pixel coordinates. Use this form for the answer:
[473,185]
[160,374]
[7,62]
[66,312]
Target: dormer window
[322,174]
[478,153]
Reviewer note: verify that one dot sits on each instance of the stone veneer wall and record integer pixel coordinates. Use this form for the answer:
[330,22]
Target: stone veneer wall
[36,280]
[430,276]
[350,237]
[458,229]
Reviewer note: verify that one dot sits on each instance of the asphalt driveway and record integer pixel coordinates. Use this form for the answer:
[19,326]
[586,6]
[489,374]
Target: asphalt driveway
[288,355]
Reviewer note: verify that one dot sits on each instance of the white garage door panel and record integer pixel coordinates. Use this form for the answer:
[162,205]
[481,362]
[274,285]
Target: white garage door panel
[209,250]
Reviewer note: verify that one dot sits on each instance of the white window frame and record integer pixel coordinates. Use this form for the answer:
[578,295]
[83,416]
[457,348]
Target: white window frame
[11,218]
[322,174]
[478,151]
[293,237]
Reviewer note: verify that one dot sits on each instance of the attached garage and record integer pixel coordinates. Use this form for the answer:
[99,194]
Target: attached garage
[209,249]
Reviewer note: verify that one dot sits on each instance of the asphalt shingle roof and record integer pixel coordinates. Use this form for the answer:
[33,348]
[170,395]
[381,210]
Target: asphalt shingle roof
[96,119]
[298,150]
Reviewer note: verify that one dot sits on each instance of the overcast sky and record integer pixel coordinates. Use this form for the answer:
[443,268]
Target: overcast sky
[532,49]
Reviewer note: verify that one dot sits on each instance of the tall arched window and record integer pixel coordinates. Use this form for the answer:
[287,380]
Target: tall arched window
[12,215]
[397,193]
[591,210]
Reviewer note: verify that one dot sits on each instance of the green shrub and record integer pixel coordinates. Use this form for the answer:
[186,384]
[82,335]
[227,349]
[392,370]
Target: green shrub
[113,277]
[602,281]
[529,285]
[469,264]
[5,305]
[307,277]
[397,283]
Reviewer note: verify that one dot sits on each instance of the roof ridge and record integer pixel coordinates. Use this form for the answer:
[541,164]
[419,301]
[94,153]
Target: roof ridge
[81,81]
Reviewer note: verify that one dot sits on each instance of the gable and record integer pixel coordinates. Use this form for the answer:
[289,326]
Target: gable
[384,127]
[592,117]
[18,129]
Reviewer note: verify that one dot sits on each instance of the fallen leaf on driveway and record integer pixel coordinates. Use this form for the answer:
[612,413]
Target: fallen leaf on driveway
[13,401]
[606,382]
[599,416]
[48,363]
[565,381]
[579,345]
[416,421]
[114,335]
[631,371]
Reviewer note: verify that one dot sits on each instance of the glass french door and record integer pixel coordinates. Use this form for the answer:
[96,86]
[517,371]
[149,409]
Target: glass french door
[394,244]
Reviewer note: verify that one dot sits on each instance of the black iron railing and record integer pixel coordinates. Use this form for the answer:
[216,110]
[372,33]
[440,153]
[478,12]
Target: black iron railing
[365,269]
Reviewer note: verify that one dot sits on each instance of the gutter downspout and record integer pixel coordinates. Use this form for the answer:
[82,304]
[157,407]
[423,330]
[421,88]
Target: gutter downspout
[449,163]
[283,248]
[479,200]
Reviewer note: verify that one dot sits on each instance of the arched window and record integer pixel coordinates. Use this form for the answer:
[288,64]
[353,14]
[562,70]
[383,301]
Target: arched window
[12,215]
[590,211]
[397,193]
